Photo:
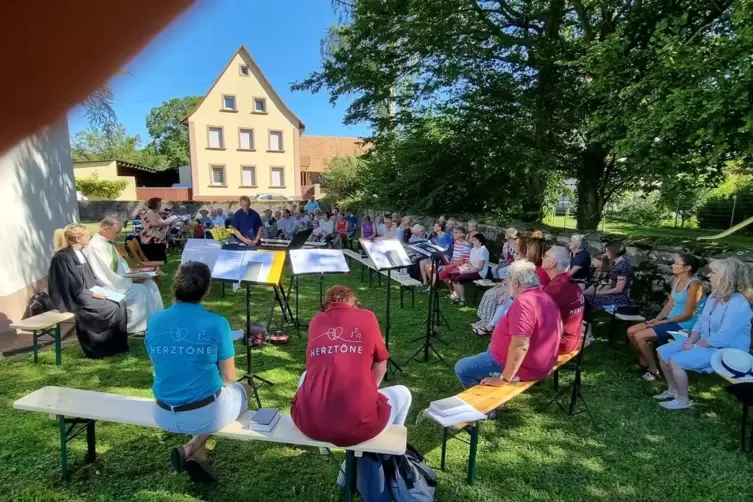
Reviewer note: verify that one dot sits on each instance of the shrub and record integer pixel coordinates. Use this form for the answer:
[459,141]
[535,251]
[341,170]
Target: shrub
[642,208]
[92,186]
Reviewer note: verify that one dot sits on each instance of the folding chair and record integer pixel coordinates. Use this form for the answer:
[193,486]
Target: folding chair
[141,261]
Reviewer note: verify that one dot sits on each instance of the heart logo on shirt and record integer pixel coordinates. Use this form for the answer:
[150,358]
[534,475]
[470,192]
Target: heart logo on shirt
[178,334]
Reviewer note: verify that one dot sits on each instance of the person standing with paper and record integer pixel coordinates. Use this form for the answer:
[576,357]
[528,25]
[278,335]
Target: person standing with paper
[247,223]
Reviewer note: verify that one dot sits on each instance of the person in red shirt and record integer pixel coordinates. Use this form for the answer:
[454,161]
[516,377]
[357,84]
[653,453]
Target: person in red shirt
[567,295]
[338,399]
[525,342]
[341,229]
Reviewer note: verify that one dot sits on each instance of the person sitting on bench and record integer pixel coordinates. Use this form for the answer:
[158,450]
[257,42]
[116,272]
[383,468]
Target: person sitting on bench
[526,341]
[194,371]
[682,310]
[567,295]
[100,323]
[338,398]
[724,323]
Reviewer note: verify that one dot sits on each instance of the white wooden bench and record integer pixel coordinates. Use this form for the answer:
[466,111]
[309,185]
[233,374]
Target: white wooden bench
[481,283]
[404,282]
[363,260]
[77,410]
[45,324]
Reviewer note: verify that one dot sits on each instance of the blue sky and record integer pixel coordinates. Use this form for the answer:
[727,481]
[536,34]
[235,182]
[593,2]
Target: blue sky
[283,36]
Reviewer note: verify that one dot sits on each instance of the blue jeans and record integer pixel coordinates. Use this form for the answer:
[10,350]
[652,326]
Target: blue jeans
[471,370]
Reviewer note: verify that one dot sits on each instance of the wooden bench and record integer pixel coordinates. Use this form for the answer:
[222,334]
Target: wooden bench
[76,410]
[487,399]
[481,283]
[364,261]
[46,324]
[406,283]
[621,318]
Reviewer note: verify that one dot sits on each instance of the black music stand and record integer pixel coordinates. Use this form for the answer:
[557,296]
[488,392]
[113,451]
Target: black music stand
[432,317]
[319,262]
[387,255]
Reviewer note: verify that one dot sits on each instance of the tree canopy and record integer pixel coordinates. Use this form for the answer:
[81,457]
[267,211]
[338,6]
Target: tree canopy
[169,136]
[488,101]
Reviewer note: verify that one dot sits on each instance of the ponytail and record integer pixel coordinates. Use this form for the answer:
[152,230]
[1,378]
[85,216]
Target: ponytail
[59,240]
[66,237]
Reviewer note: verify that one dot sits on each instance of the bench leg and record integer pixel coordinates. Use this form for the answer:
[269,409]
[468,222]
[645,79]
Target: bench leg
[472,456]
[91,443]
[402,292]
[743,423]
[34,347]
[413,297]
[444,448]
[556,380]
[63,449]
[223,290]
[58,343]
[350,474]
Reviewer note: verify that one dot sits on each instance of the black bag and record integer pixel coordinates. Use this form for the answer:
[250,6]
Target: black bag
[39,304]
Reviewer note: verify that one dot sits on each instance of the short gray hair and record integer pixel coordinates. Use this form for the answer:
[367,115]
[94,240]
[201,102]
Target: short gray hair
[418,228]
[110,222]
[579,240]
[524,272]
[561,257]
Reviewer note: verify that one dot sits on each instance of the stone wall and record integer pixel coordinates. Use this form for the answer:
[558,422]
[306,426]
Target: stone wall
[91,210]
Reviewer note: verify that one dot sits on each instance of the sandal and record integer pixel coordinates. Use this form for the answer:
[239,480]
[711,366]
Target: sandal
[200,472]
[481,331]
[651,377]
[178,459]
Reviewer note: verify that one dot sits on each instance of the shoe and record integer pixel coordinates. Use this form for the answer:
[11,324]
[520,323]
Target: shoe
[650,377]
[676,404]
[665,395]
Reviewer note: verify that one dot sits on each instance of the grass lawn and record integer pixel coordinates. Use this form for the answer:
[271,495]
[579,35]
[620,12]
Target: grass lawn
[667,234]
[639,452]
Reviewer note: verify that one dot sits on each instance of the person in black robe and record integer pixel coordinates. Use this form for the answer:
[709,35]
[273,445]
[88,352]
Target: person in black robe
[100,323]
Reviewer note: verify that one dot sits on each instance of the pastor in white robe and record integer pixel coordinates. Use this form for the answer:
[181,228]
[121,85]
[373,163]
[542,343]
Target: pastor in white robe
[142,299]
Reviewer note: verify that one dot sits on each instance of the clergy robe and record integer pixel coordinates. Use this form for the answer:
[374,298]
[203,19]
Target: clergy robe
[100,324]
[142,299]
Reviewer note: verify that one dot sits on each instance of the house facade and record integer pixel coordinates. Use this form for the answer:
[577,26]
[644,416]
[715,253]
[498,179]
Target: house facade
[243,139]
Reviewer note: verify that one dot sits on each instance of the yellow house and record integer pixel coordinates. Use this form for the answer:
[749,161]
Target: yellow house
[242,137]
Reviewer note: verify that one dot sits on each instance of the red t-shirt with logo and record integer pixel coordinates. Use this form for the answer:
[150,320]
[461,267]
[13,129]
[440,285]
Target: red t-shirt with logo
[338,401]
[572,304]
[534,314]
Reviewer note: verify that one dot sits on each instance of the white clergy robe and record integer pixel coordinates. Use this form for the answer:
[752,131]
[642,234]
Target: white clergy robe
[142,299]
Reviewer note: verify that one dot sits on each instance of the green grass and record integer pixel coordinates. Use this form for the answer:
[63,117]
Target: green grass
[662,233]
[639,452]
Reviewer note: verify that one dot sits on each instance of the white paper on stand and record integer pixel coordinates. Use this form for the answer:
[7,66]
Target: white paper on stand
[201,250]
[386,254]
[230,264]
[318,261]
[471,415]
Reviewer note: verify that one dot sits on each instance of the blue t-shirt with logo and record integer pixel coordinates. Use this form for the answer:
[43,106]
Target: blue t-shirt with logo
[185,343]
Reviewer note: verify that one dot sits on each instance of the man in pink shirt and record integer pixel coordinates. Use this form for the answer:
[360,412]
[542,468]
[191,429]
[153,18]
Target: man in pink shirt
[525,342]
[567,295]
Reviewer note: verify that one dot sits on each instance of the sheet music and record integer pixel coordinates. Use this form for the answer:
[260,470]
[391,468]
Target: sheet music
[230,265]
[201,250]
[386,254]
[318,261]
[258,266]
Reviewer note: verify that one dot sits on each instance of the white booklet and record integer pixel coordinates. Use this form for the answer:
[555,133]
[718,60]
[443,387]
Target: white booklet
[142,275]
[110,294]
[318,261]
[460,414]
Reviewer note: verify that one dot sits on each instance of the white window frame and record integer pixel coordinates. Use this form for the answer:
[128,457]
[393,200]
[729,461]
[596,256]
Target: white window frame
[212,170]
[253,176]
[272,170]
[282,140]
[252,139]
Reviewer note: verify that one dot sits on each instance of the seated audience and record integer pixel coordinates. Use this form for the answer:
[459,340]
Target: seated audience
[580,263]
[724,323]
[318,214]
[405,231]
[229,219]
[142,296]
[154,234]
[247,223]
[476,268]
[368,228]
[495,301]
[461,252]
[497,295]
[286,225]
[472,229]
[567,295]
[303,221]
[137,227]
[352,220]
[341,232]
[441,238]
[380,227]
[316,234]
[204,219]
[525,344]
[194,371]
[417,234]
[683,307]
[338,398]
[270,225]
[392,231]
[616,290]
[327,228]
[218,219]
[100,323]
[507,256]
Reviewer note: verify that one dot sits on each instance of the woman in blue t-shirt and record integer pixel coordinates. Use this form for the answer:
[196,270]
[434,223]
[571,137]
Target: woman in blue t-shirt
[684,306]
[194,371]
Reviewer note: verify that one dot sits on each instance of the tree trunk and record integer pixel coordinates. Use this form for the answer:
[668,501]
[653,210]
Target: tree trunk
[589,198]
[533,203]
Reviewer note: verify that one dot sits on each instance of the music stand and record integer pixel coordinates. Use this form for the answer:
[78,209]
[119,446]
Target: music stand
[387,255]
[433,314]
[248,266]
[315,262]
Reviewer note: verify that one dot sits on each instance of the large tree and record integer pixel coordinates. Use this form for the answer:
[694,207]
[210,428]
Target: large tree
[611,92]
[169,136]
[94,144]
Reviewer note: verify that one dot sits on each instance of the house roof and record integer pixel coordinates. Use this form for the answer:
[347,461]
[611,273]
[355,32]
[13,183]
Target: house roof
[265,82]
[316,151]
[118,163]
